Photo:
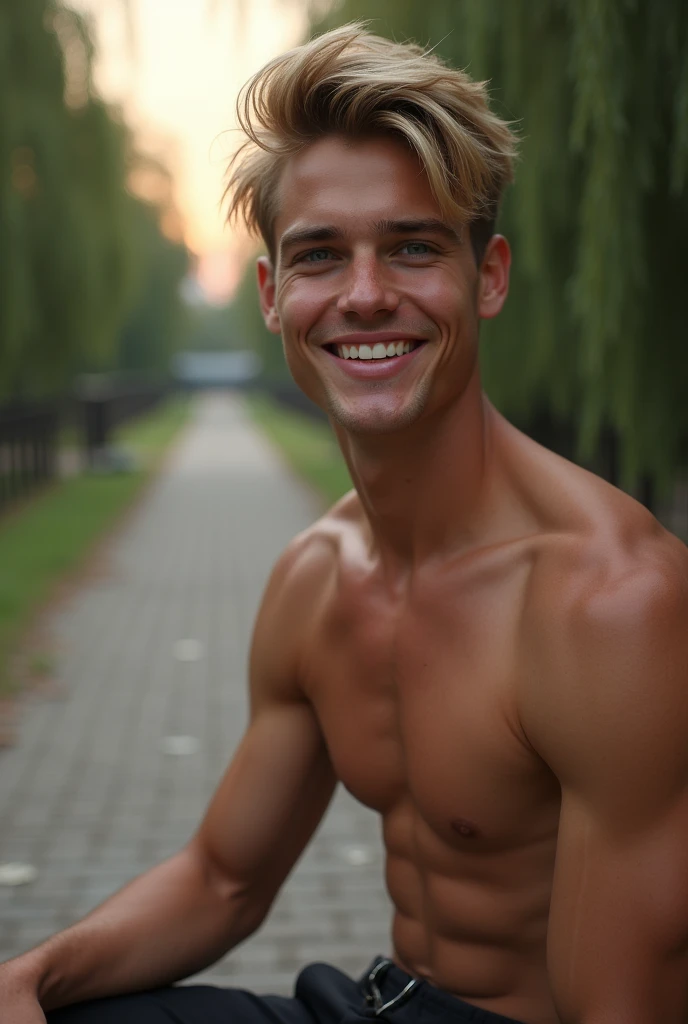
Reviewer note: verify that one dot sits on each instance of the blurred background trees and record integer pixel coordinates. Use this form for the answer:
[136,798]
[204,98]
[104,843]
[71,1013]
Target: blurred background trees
[588,354]
[89,270]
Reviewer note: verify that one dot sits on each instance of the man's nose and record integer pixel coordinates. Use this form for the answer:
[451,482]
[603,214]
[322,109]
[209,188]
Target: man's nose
[367,289]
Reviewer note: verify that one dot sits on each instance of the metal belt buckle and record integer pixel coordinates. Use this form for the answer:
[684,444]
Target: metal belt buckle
[374,996]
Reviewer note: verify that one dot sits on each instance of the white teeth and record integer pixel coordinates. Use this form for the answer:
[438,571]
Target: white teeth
[378,351]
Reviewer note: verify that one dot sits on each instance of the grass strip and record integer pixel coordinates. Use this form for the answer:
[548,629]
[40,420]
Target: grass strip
[309,447]
[50,534]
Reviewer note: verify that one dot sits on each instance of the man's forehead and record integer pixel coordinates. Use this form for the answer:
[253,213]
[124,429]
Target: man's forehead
[370,179]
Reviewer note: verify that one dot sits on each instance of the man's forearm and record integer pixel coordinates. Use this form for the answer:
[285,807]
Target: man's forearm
[171,922]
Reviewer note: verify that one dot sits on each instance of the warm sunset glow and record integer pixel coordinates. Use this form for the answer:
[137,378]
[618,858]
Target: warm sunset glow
[177,80]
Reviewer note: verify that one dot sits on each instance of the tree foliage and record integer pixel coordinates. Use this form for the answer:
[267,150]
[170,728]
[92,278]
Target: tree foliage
[75,245]
[595,324]
[217,328]
[157,320]
[253,332]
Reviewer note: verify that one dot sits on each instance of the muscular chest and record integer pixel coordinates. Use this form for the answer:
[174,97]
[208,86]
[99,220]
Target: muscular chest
[418,701]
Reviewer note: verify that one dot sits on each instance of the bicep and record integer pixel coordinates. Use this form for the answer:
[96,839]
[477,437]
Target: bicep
[280,780]
[618,927]
[270,800]
[609,716]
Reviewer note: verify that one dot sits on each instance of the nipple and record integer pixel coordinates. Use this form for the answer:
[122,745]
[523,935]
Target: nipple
[464,827]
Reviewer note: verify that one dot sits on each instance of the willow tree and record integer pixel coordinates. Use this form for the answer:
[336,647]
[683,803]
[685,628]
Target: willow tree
[594,330]
[157,320]
[252,331]
[65,239]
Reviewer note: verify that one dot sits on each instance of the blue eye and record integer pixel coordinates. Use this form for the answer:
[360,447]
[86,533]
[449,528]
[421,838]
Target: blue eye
[417,248]
[317,255]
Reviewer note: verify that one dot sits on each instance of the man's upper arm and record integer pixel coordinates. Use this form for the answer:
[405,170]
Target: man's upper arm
[612,723]
[280,780]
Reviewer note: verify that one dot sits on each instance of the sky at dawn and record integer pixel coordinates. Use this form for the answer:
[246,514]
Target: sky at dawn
[177,69]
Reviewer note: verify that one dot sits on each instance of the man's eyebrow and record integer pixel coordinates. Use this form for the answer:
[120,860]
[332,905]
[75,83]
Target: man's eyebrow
[329,233]
[297,236]
[430,225]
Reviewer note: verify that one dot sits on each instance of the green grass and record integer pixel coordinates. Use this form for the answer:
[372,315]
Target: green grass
[149,436]
[48,536]
[309,447]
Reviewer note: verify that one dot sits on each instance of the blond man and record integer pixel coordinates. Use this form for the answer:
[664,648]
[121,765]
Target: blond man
[483,642]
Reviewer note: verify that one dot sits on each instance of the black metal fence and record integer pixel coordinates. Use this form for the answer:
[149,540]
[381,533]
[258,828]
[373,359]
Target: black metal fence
[29,433]
[28,449]
[104,401]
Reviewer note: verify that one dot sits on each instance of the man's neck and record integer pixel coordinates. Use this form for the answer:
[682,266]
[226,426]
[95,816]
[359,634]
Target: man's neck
[429,490]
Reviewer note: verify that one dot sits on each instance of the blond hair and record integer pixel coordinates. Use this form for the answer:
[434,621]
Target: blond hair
[349,82]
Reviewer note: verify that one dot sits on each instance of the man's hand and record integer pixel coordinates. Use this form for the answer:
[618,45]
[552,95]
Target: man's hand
[20,1009]
[18,996]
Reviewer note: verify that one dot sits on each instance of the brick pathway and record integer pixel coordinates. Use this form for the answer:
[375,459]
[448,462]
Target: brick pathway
[90,798]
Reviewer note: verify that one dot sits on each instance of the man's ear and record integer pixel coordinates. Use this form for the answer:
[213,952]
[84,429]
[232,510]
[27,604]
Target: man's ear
[494,277]
[266,291]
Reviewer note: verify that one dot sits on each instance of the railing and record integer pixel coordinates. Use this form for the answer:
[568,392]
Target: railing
[29,433]
[105,401]
[28,446]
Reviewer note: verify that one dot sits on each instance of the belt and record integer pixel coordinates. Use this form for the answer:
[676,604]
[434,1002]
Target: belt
[373,995]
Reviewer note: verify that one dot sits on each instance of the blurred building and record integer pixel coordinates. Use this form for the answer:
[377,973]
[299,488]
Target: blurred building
[216,369]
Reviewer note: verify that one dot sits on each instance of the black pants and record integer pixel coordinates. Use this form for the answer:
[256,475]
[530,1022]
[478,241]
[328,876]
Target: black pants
[323,995]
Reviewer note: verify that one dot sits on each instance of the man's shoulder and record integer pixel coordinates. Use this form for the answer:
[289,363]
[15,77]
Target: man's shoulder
[305,569]
[610,571]
[597,549]
[298,592]
[607,630]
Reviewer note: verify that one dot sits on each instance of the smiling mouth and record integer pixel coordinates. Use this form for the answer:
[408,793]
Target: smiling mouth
[380,350]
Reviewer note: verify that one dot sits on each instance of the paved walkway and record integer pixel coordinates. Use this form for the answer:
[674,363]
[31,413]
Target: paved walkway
[94,793]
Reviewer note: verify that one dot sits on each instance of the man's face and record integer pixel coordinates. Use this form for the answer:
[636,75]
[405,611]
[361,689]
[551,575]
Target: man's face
[376,295]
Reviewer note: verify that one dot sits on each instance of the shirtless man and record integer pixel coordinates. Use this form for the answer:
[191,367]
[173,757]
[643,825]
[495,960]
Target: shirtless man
[484,643]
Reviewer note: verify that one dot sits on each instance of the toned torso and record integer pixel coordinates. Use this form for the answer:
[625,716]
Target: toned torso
[421,688]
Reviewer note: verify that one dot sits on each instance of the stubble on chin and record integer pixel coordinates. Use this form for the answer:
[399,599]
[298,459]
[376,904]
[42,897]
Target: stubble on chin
[379,419]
